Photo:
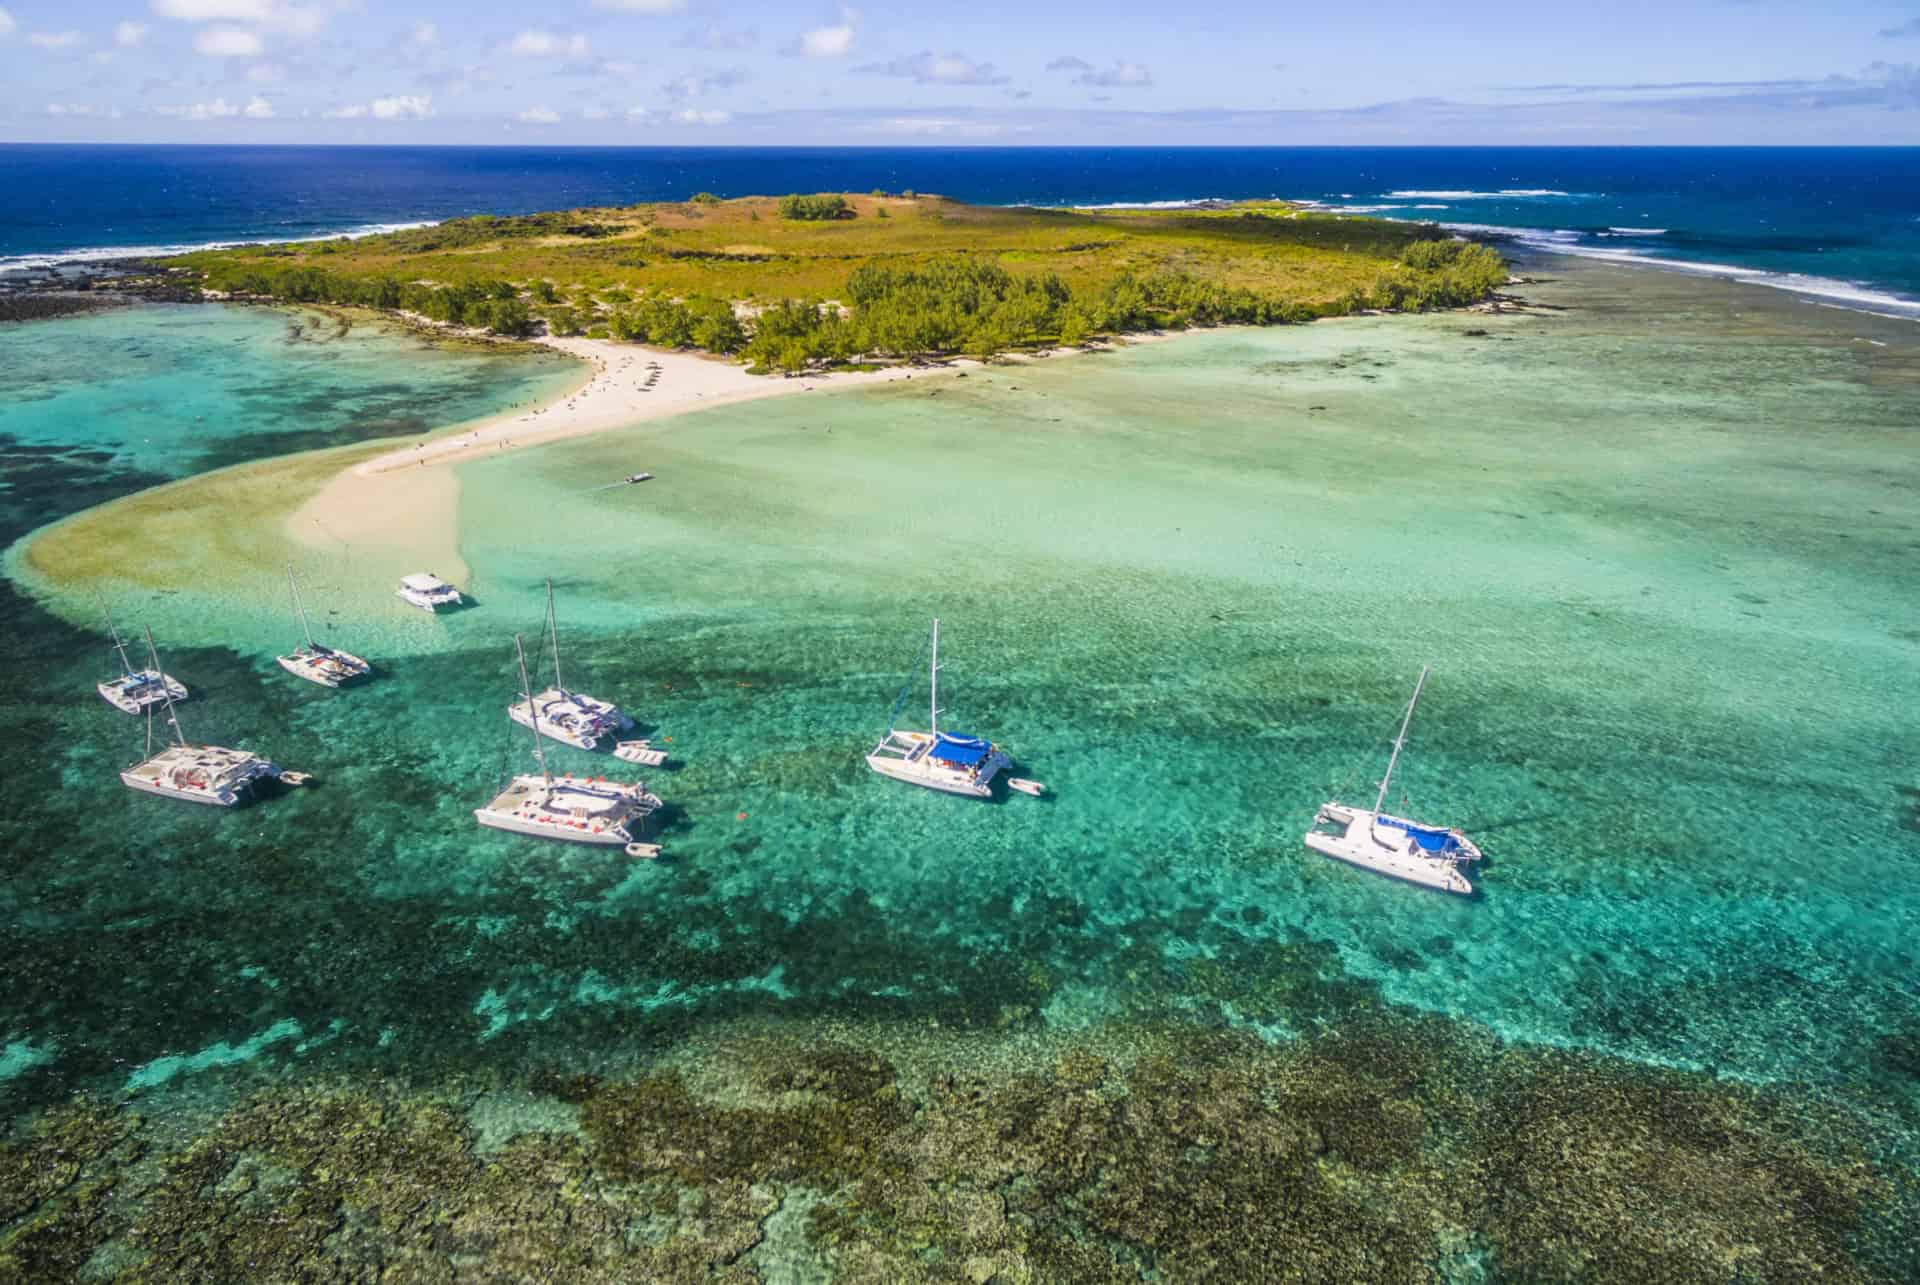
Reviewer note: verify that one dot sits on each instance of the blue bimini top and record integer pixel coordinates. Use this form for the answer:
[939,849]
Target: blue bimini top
[1426,838]
[961,751]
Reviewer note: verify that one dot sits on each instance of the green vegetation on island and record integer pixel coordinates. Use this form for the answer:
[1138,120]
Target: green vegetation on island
[819,280]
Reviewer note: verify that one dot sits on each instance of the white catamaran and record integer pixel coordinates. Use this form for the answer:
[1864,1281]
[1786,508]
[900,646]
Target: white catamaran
[428,592]
[1391,845]
[568,717]
[601,812]
[197,773]
[316,662]
[137,691]
[935,759]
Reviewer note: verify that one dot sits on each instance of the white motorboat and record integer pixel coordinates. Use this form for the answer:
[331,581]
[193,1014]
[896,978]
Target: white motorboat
[316,662]
[575,810]
[570,717]
[631,478]
[937,760]
[428,592]
[1393,845]
[197,773]
[1025,786]
[641,752]
[136,691]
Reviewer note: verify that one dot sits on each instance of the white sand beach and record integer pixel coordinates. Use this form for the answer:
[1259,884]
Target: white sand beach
[400,506]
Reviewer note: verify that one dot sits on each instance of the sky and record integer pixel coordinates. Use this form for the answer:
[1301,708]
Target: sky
[987,72]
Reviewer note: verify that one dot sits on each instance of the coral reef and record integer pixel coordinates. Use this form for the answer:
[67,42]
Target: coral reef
[1392,1149]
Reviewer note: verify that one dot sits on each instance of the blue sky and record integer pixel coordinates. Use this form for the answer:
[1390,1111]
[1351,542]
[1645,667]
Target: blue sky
[641,72]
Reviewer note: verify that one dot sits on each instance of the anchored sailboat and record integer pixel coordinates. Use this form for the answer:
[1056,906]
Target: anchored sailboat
[604,813]
[568,717]
[196,773]
[316,662]
[1392,845]
[136,691]
[935,759]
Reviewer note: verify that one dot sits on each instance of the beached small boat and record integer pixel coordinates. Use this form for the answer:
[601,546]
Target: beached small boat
[427,591]
[136,691]
[584,810]
[933,759]
[631,478]
[1025,786]
[314,661]
[211,774]
[572,718]
[1419,853]
[641,752]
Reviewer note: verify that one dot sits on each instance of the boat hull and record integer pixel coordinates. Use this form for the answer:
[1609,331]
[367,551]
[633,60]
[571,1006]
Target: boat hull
[1387,851]
[944,782]
[349,668]
[208,774]
[597,813]
[123,698]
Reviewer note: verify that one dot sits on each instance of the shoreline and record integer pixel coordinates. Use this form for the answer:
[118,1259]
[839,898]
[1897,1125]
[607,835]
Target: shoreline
[406,498]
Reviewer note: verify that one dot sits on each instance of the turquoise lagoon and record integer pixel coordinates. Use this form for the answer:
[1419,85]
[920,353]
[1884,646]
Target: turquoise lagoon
[1656,536]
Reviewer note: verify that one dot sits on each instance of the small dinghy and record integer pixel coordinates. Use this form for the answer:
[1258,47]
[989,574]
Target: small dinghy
[294,778]
[631,478]
[1025,786]
[644,851]
[641,752]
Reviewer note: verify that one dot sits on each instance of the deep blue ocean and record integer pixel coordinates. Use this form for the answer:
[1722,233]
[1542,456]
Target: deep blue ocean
[1841,224]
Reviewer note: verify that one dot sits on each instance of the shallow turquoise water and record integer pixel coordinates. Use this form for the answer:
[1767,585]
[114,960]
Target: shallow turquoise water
[1657,548]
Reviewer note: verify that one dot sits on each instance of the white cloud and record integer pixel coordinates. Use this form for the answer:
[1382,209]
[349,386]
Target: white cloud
[540,116]
[215,10]
[54,39]
[696,83]
[7,24]
[688,116]
[228,42]
[257,108]
[83,109]
[938,69]
[642,6]
[546,44]
[397,107]
[403,107]
[940,127]
[827,42]
[425,33]
[218,109]
[1122,75]
[129,34]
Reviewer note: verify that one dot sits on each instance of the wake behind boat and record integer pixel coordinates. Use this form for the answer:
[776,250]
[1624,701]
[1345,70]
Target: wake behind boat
[136,691]
[1391,845]
[197,773]
[937,760]
[599,812]
[314,661]
[571,718]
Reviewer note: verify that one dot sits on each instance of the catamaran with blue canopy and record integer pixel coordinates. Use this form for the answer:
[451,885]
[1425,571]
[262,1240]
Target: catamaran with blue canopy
[1428,855]
[946,761]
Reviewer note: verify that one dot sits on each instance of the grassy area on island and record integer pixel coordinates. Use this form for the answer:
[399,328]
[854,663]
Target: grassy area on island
[798,282]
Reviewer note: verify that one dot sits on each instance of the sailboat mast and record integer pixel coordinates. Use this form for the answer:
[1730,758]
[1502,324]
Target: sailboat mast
[933,683]
[126,666]
[299,608]
[553,636]
[173,718]
[1399,741]
[533,710]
